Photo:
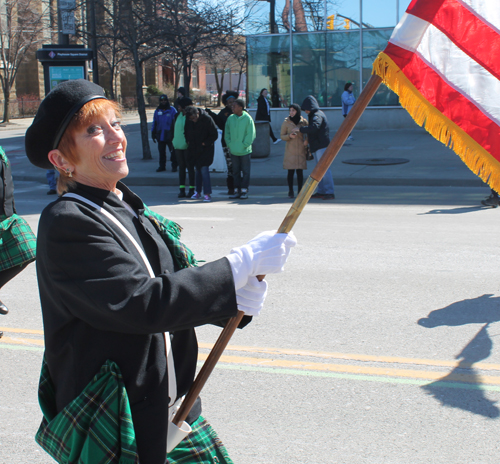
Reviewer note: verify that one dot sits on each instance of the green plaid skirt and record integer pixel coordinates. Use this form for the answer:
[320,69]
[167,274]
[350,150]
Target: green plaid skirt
[17,242]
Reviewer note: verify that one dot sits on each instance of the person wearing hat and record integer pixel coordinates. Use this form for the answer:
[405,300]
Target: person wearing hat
[160,131]
[121,295]
[181,150]
[181,93]
[220,119]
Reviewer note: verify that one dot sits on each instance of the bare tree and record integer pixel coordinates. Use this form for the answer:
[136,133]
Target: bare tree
[21,24]
[219,60]
[141,33]
[193,27]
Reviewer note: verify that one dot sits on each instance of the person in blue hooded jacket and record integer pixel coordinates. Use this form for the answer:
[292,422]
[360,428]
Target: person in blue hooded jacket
[318,135]
[160,131]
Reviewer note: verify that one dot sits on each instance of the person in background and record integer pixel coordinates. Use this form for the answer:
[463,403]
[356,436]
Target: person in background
[121,296]
[201,133]
[52,181]
[220,119]
[239,136]
[264,113]
[18,242]
[181,152]
[318,134]
[181,93]
[348,100]
[295,150]
[160,131]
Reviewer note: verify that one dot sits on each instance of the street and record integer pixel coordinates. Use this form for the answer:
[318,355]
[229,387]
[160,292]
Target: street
[378,344]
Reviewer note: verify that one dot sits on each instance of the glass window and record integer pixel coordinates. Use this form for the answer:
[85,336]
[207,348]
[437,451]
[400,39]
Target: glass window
[374,41]
[269,67]
[343,64]
[322,64]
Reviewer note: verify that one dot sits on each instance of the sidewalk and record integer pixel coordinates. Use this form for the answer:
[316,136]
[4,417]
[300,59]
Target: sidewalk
[429,162]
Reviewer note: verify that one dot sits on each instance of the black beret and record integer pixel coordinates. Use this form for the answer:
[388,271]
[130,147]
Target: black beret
[54,115]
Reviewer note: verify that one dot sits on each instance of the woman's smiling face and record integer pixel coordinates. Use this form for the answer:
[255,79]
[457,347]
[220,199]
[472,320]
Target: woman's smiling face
[100,149]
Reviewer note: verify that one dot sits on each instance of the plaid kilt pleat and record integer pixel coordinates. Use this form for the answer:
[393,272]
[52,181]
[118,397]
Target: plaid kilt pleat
[17,242]
[201,446]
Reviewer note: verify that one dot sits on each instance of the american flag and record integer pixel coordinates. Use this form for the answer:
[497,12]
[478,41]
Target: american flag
[443,60]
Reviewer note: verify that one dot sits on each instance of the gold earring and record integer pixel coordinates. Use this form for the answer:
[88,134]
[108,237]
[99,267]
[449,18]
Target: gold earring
[69,173]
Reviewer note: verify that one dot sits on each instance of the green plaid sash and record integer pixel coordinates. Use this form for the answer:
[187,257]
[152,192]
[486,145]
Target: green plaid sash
[17,242]
[170,233]
[95,428]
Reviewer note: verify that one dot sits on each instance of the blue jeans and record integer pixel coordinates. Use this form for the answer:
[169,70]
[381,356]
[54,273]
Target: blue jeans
[51,178]
[241,171]
[326,184]
[203,180]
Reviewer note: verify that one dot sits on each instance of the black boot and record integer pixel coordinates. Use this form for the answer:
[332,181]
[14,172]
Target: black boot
[3,308]
[291,194]
[191,192]
[182,194]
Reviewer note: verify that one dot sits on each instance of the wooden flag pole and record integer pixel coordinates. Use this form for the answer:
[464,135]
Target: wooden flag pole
[286,226]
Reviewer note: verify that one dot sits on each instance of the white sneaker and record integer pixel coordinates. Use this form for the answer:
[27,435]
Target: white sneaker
[277,141]
[207,198]
[350,138]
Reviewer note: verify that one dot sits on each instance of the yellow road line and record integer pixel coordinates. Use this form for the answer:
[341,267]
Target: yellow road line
[25,331]
[358,357]
[21,341]
[345,368]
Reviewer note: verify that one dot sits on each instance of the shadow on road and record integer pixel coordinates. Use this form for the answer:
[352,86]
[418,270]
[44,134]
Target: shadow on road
[484,309]
[461,210]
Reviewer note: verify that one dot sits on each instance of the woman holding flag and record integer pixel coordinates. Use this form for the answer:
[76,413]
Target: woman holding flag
[121,296]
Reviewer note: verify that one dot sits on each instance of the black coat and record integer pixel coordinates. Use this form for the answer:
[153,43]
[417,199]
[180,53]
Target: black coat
[220,119]
[262,114]
[7,206]
[318,132]
[99,302]
[201,136]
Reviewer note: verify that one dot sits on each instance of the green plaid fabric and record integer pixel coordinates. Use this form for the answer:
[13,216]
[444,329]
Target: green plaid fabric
[201,446]
[17,242]
[3,157]
[95,428]
[170,233]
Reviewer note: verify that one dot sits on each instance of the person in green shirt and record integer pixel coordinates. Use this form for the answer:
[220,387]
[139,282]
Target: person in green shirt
[239,136]
[180,146]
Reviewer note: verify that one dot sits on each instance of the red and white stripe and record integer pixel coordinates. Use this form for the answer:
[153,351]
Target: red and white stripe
[450,51]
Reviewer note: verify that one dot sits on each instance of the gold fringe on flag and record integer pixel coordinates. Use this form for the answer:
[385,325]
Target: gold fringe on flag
[477,159]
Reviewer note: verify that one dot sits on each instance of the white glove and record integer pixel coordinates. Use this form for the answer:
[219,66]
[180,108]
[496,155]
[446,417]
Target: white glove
[265,254]
[250,298]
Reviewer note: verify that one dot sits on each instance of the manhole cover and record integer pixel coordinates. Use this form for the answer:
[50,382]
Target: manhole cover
[377,161]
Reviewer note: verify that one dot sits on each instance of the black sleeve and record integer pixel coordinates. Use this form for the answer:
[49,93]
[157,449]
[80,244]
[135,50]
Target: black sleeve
[84,268]
[314,126]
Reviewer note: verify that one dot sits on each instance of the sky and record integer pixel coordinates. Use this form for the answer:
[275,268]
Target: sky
[378,13]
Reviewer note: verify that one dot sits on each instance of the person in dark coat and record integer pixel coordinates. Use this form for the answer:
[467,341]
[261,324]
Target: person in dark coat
[161,132]
[181,150]
[318,137]
[201,133]
[181,93]
[220,119]
[264,113]
[18,242]
[113,278]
